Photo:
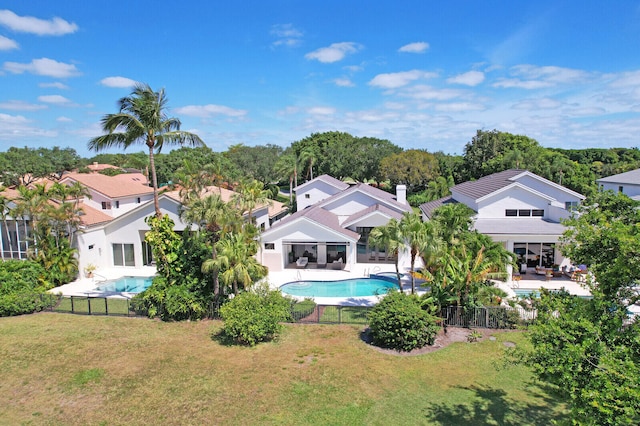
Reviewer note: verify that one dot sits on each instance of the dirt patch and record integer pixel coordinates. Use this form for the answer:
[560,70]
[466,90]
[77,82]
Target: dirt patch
[452,335]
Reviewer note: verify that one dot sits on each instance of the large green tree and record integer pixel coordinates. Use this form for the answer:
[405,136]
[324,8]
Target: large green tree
[414,168]
[589,349]
[143,119]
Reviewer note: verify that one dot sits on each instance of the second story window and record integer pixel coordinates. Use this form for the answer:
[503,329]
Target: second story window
[117,205]
[106,205]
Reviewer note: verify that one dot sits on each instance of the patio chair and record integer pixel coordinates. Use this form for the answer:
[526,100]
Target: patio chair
[302,262]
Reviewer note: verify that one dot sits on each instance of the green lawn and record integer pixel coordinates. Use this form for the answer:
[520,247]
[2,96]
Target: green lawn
[88,370]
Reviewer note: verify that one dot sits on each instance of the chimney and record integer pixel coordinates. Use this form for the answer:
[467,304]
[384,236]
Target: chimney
[401,194]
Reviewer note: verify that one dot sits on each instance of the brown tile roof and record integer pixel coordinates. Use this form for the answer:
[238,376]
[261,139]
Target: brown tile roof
[487,184]
[122,185]
[95,167]
[92,216]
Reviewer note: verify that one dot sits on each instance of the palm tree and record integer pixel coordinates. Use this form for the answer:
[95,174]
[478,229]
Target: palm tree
[287,168]
[309,156]
[252,194]
[211,214]
[142,119]
[413,230]
[235,262]
[390,237]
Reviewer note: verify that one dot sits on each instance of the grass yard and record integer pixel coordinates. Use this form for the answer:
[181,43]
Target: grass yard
[59,369]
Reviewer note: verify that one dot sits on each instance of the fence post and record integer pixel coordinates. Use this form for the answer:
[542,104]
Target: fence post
[339,314]
[89,304]
[318,313]
[72,310]
[106,306]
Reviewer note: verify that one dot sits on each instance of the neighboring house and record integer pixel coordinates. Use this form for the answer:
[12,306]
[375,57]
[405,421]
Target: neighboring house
[332,225]
[519,209]
[113,220]
[628,183]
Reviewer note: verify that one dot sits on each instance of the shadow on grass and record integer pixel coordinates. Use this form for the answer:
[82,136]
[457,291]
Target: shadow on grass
[493,406]
[218,335]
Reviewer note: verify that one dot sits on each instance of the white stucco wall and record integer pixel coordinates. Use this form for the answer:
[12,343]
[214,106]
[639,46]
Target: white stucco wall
[313,192]
[513,198]
[627,189]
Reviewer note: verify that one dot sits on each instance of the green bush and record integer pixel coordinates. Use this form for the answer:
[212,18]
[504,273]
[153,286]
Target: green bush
[255,316]
[399,322]
[170,302]
[23,288]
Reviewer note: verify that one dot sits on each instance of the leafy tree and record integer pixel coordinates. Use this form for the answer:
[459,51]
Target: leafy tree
[589,349]
[287,168]
[23,287]
[23,166]
[251,194]
[414,233]
[413,167]
[255,162]
[142,119]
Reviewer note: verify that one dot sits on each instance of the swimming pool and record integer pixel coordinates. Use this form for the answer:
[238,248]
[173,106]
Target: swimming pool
[126,284]
[355,287]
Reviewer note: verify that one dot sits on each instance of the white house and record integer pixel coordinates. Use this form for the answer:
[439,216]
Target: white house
[112,220]
[519,209]
[628,183]
[331,227]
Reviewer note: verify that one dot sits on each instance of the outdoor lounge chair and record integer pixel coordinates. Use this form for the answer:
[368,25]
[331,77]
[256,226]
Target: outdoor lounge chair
[302,262]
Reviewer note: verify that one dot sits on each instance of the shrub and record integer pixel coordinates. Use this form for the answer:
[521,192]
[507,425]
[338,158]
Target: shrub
[255,316]
[173,302]
[23,288]
[398,322]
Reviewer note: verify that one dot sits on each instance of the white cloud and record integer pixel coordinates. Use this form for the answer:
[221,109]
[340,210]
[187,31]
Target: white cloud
[626,79]
[210,110]
[550,74]
[399,79]
[13,127]
[321,111]
[118,82]
[15,105]
[425,92]
[43,66]
[54,99]
[55,85]
[538,104]
[29,24]
[343,82]
[354,68]
[459,107]
[286,34]
[63,119]
[509,83]
[7,43]
[417,47]
[471,78]
[334,53]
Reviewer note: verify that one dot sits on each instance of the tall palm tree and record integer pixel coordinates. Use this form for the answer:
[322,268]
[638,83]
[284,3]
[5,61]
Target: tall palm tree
[309,156]
[142,119]
[390,237]
[413,230]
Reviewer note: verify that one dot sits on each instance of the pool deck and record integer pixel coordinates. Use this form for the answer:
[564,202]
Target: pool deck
[86,287]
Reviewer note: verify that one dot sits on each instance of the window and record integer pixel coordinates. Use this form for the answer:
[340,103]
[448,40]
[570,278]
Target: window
[307,195]
[106,205]
[117,204]
[620,189]
[123,255]
[571,205]
[524,212]
[537,213]
[269,246]
[511,212]
[91,247]
[138,200]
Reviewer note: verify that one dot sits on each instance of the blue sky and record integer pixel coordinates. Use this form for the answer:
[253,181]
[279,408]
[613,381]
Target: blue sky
[422,74]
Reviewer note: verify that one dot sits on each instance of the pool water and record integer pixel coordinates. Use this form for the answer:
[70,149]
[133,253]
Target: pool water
[356,287]
[126,284]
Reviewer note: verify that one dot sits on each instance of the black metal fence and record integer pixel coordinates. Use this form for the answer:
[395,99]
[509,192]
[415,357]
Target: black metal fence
[452,316]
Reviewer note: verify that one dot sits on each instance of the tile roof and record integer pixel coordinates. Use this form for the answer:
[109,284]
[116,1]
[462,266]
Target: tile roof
[487,184]
[329,180]
[632,177]
[428,207]
[122,185]
[370,190]
[373,208]
[92,216]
